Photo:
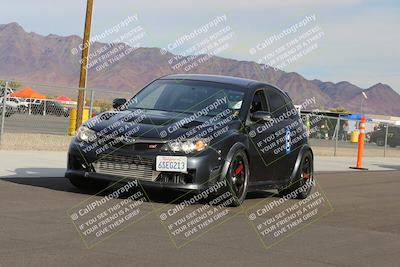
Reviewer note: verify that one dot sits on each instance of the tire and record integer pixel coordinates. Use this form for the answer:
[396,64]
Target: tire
[89,184]
[304,178]
[380,142]
[237,177]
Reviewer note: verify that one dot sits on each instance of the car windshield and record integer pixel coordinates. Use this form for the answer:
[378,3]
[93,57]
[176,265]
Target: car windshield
[185,96]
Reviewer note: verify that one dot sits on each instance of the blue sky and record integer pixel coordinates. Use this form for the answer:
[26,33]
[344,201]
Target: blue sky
[360,43]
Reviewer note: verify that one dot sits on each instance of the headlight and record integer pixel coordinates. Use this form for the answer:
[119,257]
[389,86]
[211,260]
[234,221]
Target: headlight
[86,134]
[186,146]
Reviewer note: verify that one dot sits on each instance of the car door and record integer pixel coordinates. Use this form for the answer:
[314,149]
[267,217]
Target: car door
[261,167]
[51,107]
[393,138]
[286,124]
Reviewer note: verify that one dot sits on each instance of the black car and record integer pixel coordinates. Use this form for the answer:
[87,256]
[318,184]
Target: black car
[189,132]
[49,108]
[393,136]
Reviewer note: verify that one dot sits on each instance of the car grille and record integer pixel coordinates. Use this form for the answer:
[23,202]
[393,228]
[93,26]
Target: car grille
[126,166]
[139,145]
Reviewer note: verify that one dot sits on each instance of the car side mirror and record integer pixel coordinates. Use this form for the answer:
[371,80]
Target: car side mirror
[261,116]
[118,102]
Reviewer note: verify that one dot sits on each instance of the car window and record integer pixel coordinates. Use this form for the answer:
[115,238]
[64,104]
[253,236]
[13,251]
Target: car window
[151,98]
[290,106]
[188,97]
[259,102]
[289,102]
[276,102]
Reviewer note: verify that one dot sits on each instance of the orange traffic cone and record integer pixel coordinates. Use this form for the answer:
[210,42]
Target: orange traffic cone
[360,152]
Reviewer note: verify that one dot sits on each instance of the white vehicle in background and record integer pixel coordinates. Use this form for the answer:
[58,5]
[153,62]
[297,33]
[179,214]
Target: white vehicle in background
[22,104]
[17,104]
[33,105]
[10,108]
[33,101]
[9,103]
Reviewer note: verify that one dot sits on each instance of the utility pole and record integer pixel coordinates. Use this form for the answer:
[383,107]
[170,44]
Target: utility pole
[84,64]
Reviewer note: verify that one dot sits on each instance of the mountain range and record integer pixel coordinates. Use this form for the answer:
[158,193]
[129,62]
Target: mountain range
[34,58]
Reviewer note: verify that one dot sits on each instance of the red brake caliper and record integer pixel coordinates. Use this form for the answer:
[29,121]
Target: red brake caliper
[239,169]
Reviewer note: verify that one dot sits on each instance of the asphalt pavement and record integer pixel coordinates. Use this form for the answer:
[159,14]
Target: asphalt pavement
[53,163]
[360,225]
[38,124]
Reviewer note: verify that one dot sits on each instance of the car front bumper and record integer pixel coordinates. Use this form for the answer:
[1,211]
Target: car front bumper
[204,168]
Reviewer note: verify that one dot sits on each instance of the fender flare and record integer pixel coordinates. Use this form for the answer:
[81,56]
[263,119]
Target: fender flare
[302,151]
[229,156]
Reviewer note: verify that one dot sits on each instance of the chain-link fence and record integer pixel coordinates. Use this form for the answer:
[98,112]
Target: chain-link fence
[38,117]
[338,136]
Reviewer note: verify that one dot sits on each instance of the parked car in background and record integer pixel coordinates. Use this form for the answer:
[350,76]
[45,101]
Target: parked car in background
[393,137]
[55,108]
[48,108]
[15,103]
[34,101]
[34,105]
[20,104]
[8,103]
[9,111]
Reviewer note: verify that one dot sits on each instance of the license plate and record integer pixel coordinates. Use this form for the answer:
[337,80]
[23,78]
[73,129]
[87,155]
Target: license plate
[171,164]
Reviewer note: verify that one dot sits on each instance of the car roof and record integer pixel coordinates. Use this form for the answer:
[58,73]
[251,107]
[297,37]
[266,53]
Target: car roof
[214,78]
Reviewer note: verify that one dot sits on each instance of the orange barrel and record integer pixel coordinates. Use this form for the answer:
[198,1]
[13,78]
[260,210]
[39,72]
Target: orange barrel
[361,138]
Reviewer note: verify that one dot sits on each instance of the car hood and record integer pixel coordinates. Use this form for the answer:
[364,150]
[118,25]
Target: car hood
[156,124]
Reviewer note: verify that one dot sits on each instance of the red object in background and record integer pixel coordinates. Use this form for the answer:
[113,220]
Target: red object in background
[63,98]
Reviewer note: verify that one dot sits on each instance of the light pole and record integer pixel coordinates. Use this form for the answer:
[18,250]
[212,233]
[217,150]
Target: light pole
[84,63]
[364,96]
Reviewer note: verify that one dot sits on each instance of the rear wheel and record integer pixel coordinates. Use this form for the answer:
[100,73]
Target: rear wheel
[300,187]
[380,142]
[238,177]
[22,109]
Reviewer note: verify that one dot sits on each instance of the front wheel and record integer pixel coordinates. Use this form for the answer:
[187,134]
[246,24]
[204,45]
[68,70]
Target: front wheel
[300,187]
[238,176]
[392,145]
[22,109]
